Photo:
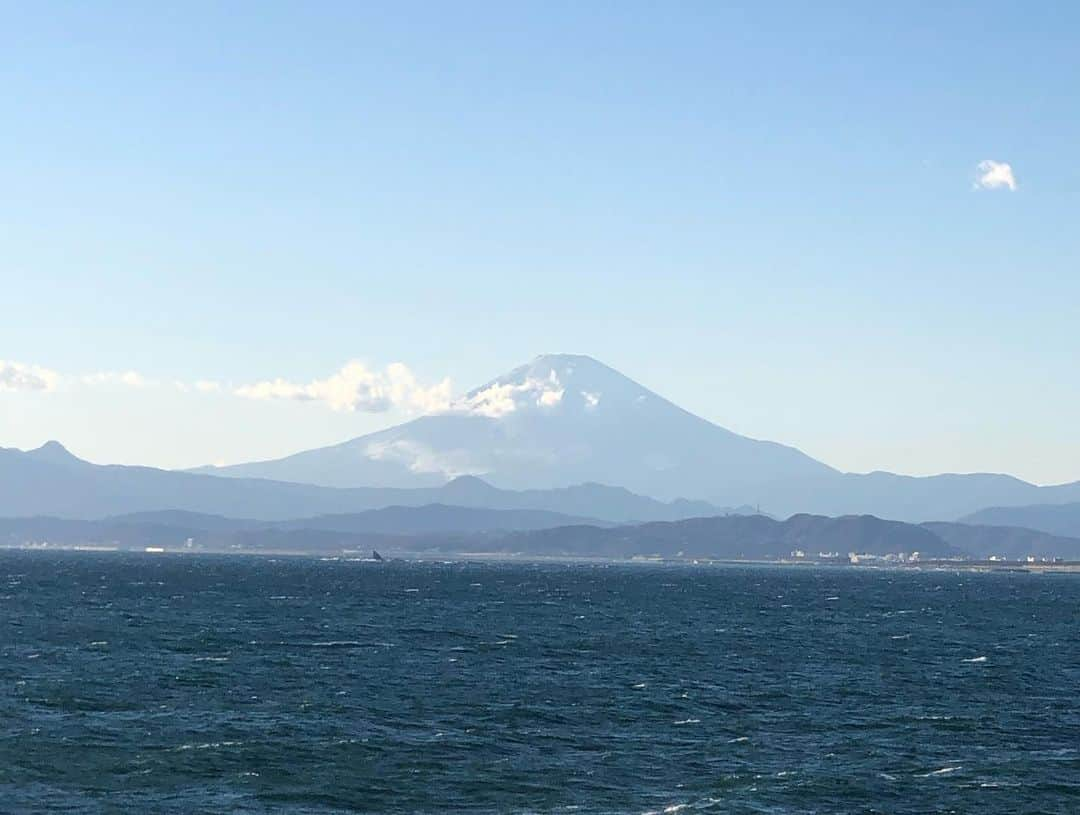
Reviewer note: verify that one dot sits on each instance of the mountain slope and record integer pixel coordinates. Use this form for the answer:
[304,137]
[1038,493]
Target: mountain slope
[562,419]
[1054,519]
[51,481]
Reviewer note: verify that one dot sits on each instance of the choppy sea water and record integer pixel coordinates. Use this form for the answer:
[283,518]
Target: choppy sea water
[151,683]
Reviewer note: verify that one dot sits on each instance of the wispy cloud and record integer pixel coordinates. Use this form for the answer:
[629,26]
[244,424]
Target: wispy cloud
[131,379]
[994,175]
[18,376]
[422,459]
[199,385]
[356,387]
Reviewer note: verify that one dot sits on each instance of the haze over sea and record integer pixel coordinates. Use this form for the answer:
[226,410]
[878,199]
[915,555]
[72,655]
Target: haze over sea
[160,683]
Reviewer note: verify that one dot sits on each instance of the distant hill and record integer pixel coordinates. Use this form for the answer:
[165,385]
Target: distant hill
[435,519]
[454,529]
[914,499]
[1055,519]
[1009,542]
[182,519]
[737,537]
[173,527]
[68,532]
[51,481]
[395,520]
[63,532]
[584,500]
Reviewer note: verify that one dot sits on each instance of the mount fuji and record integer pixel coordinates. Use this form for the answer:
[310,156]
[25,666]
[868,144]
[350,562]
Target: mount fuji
[561,419]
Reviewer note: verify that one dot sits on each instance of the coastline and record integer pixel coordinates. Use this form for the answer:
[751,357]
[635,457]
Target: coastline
[973,566]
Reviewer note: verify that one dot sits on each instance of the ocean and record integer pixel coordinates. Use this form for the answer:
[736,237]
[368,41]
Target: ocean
[151,683]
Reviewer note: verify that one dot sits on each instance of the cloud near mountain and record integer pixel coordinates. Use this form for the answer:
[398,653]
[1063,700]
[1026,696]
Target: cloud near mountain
[356,387]
[502,398]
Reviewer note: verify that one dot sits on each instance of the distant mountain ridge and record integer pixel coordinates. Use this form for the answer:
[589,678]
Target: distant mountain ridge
[454,530]
[431,519]
[1011,542]
[914,499]
[738,537]
[1055,519]
[174,527]
[396,520]
[754,536]
[51,481]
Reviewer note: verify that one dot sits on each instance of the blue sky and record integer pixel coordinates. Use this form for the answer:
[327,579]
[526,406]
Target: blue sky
[767,213]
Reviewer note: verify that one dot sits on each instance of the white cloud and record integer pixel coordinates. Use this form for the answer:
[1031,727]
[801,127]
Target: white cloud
[493,401]
[355,387]
[994,175]
[500,399]
[421,459]
[591,399]
[358,388]
[17,376]
[200,385]
[550,398]
[131,379]
[406,391]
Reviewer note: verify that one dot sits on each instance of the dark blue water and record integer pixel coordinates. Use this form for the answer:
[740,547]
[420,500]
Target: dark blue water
[149,683]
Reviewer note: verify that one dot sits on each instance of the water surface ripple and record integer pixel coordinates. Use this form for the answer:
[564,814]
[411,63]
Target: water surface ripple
[150,683]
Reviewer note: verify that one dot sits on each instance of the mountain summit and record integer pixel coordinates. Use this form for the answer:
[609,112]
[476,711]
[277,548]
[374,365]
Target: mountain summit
[560,419]
[54,452]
